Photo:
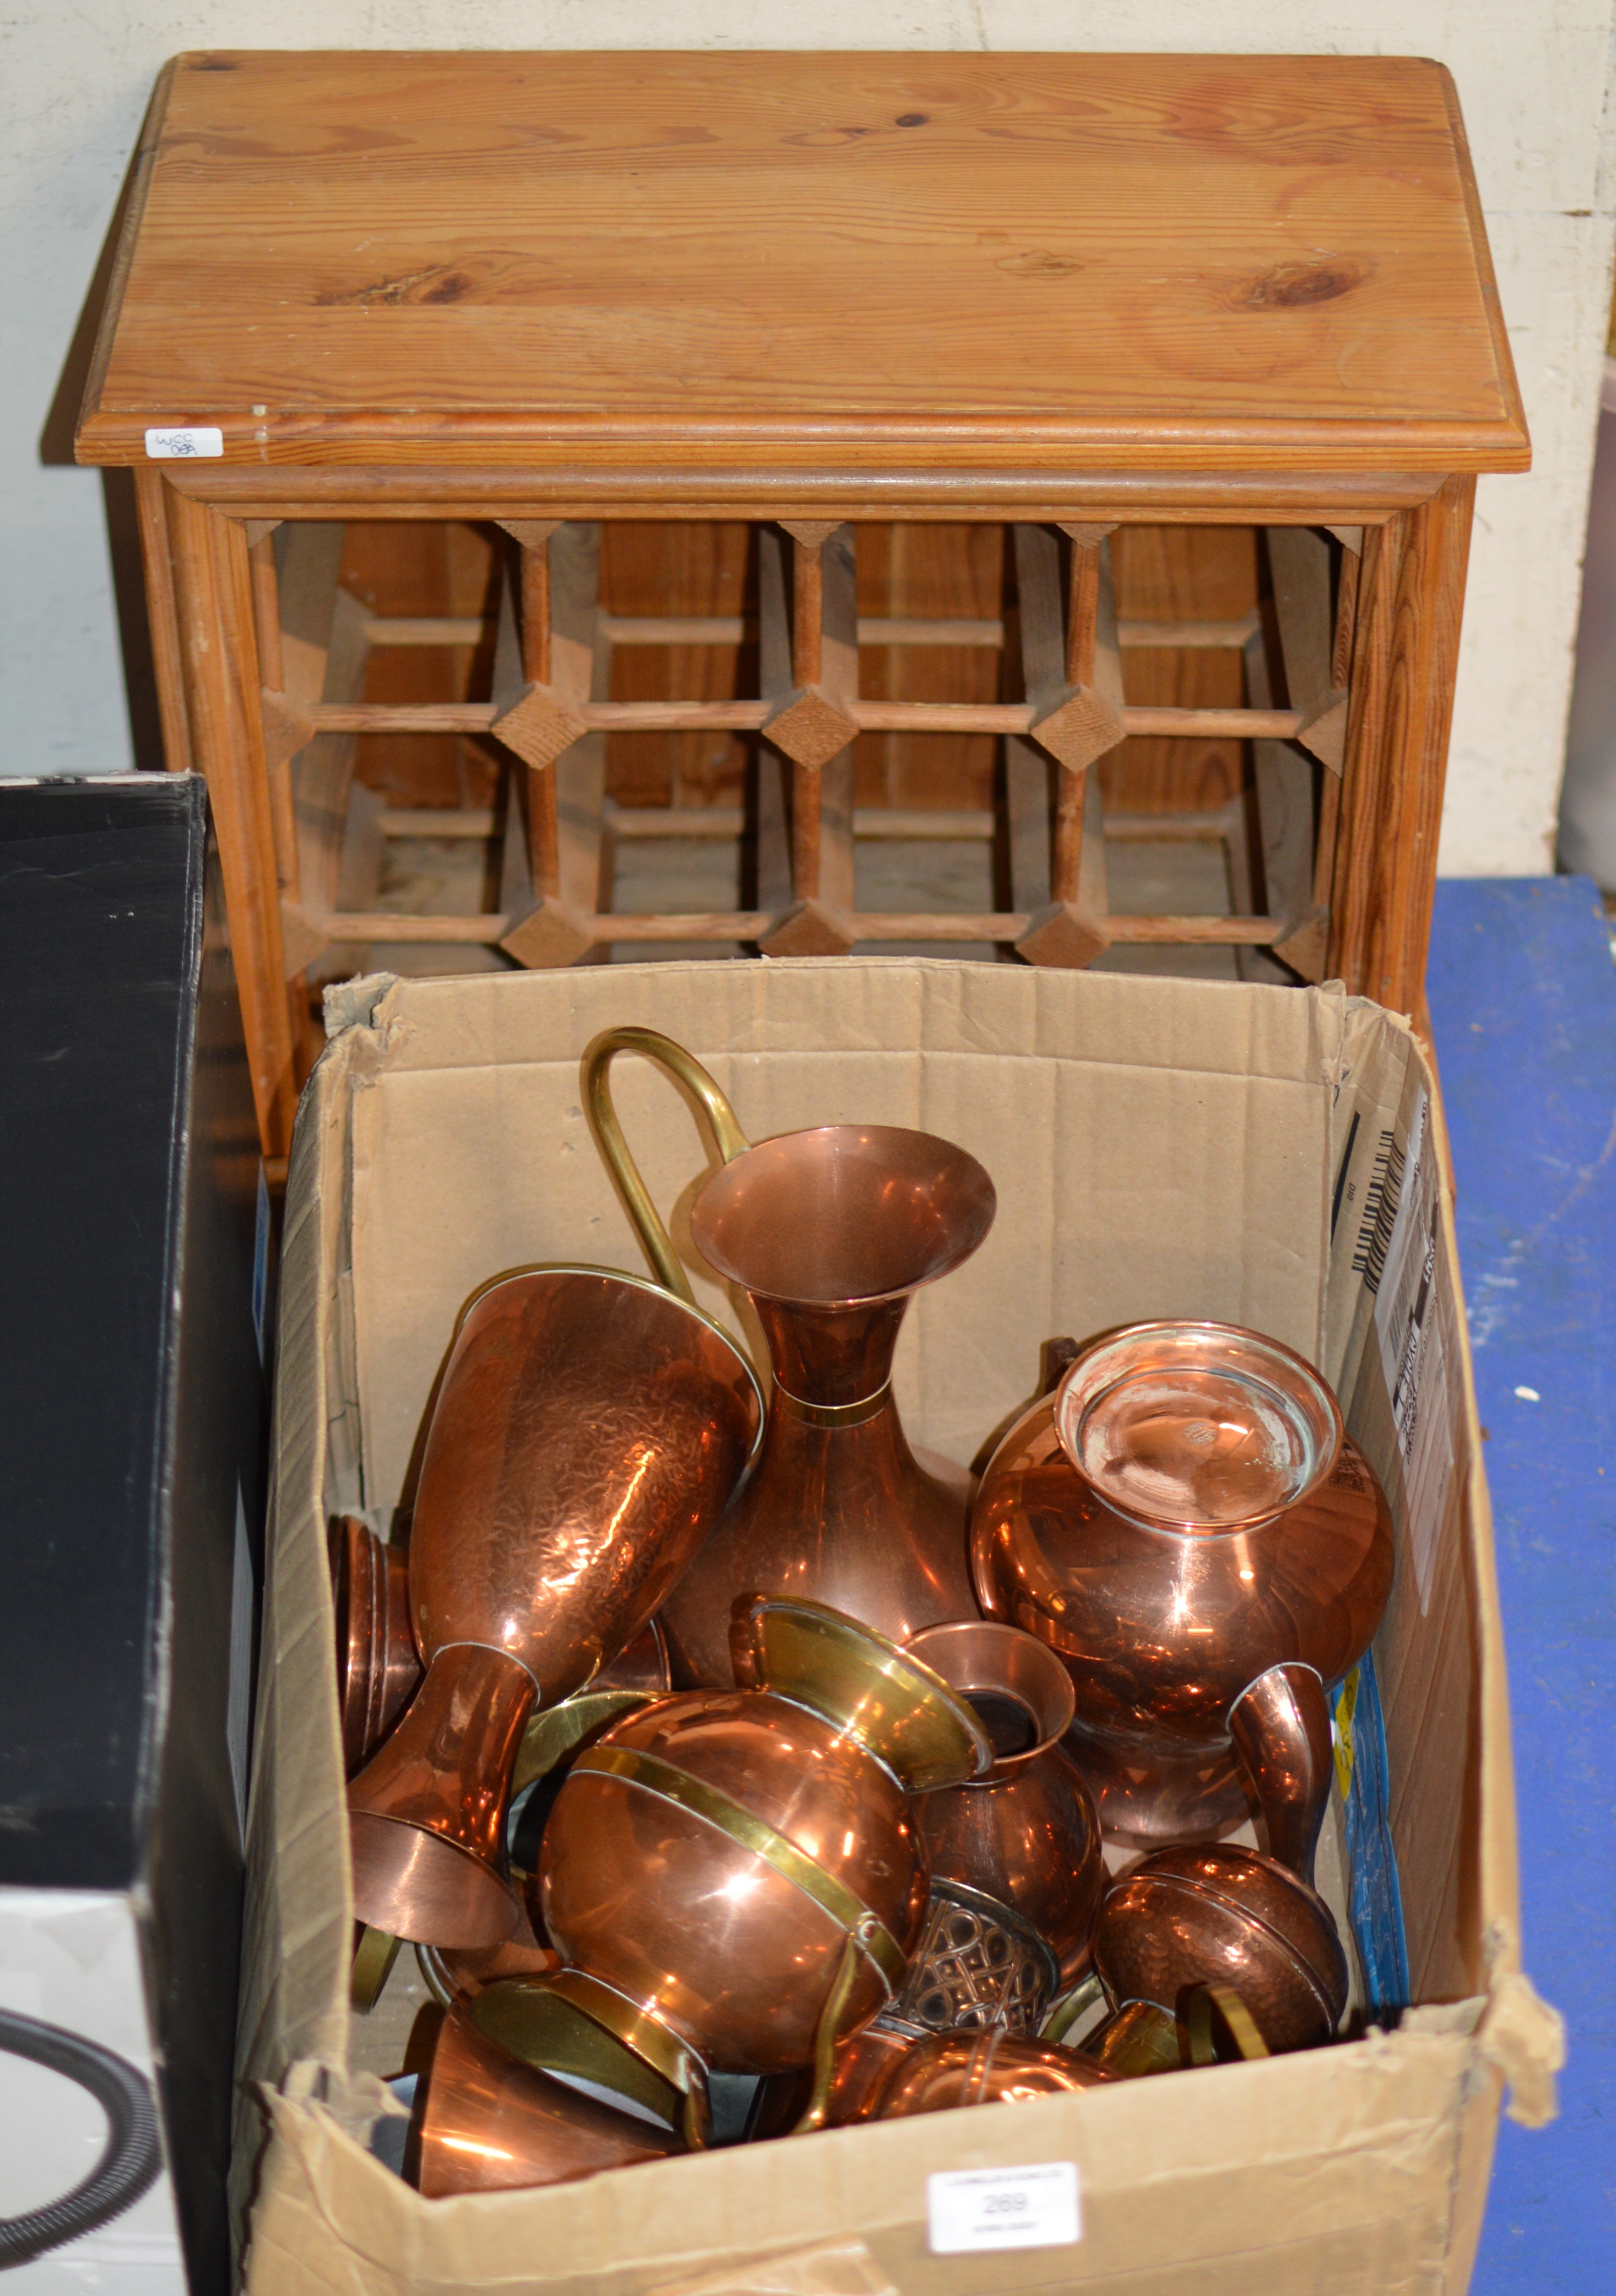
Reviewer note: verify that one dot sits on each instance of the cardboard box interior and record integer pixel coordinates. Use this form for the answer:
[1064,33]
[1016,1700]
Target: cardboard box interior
[1159,1148]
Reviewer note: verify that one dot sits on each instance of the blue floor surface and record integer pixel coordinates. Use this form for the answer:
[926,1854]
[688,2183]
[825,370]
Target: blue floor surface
[1522,993]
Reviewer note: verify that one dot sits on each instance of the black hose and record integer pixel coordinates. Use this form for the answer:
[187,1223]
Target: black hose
[130,2160]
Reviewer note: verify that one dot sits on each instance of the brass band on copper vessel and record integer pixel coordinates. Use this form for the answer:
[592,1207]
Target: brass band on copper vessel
[829,1231]
[743,1865]
[1216,1913]
[377,1665]
[483,2123]
[587,1433]
[1185,1513]
[948,2071]
[1017,1870]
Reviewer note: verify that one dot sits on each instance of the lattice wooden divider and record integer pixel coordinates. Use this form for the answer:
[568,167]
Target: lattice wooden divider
[550,708]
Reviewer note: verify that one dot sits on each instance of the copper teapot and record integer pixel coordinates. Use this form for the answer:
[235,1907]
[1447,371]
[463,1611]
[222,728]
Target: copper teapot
[587,1431]
[1187,1524]
[734,1876]
[829,1231]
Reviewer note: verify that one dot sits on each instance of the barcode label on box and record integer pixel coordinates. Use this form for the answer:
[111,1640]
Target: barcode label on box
[969,2209]
[184,443]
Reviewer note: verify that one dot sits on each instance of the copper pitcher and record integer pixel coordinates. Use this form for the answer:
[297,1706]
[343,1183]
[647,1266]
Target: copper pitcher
[587,1431]
[483,2123]
[1187,1521]
[829,1231]
[1017,1871]
[734,1876]
[1217,1912]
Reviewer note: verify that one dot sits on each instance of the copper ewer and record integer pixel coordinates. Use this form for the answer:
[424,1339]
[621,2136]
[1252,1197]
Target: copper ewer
[1187,1524]
[589,1431]
[733,1876]
[483,2123]
[829,1231]
[1017,1871]
[1217,1914]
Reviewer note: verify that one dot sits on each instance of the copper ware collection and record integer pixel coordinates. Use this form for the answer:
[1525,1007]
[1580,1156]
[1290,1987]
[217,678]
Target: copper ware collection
[810,1756]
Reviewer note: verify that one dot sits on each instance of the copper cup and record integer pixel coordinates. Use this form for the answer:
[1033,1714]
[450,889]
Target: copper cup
[587,1431]
[483,2123]
[830,1231]
[735,1877]
[947,2070]
[377,1665]
[1187,1524]
[1221,1915]
[1017,1870]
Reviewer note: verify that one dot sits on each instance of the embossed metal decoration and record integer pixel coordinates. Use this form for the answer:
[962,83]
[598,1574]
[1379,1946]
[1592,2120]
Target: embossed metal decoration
[587,1431]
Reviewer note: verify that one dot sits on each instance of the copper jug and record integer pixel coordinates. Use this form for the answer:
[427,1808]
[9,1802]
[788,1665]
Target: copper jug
[1187,1521]
[829,1231]
[734,1876]
[483,2123]
[1217,1912]
[588,1430]
[1017,1871]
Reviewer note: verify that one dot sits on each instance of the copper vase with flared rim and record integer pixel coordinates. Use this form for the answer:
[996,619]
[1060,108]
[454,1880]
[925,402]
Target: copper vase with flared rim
[1026,1836]
[829,1231]
[741,1865]
[1215,1911]
[947,2071]
[378,1668]
[484,2123]
[1084,1532]
[587,1431]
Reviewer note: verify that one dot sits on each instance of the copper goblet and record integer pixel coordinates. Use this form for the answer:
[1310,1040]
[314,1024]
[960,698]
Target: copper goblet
[484,2123]
[589,1431]
[1214,1913]
[734,1875]
[830,1231]
[1187,1524]
[1017,1870]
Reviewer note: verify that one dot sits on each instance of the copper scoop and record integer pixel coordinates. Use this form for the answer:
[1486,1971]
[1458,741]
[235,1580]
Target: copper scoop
[483,2123]
[734,1875]
[587,1431]
[1218,1913]
[830,1231]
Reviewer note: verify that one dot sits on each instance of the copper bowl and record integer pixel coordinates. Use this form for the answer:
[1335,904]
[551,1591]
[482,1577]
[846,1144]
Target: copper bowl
[587,1431]
[377,1665]
[1184,1515]
[946,2071]
[740,1870]
[1017,1870]
[483,2123]
[1217,1914]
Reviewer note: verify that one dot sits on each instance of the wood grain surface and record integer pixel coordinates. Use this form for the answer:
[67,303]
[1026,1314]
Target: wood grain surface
[949,263]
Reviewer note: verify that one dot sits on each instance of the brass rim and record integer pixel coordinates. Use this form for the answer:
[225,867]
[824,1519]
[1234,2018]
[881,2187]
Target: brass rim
[897,1707]
[570,2021]
[654,1775]
[551,1736]
[373,1965]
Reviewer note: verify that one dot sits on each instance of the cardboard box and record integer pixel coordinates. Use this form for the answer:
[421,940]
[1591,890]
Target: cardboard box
[1160,1147]
[132,1454]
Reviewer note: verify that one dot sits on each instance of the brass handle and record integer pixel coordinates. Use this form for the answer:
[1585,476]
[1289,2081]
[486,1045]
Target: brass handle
[826,2034]
[727,1136]
[1203,2011]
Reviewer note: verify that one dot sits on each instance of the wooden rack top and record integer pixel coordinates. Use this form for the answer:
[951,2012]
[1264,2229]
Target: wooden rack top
[961,263]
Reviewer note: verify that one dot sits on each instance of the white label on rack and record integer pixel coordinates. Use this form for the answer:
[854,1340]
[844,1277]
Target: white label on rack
[970,2210]
[184,443]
